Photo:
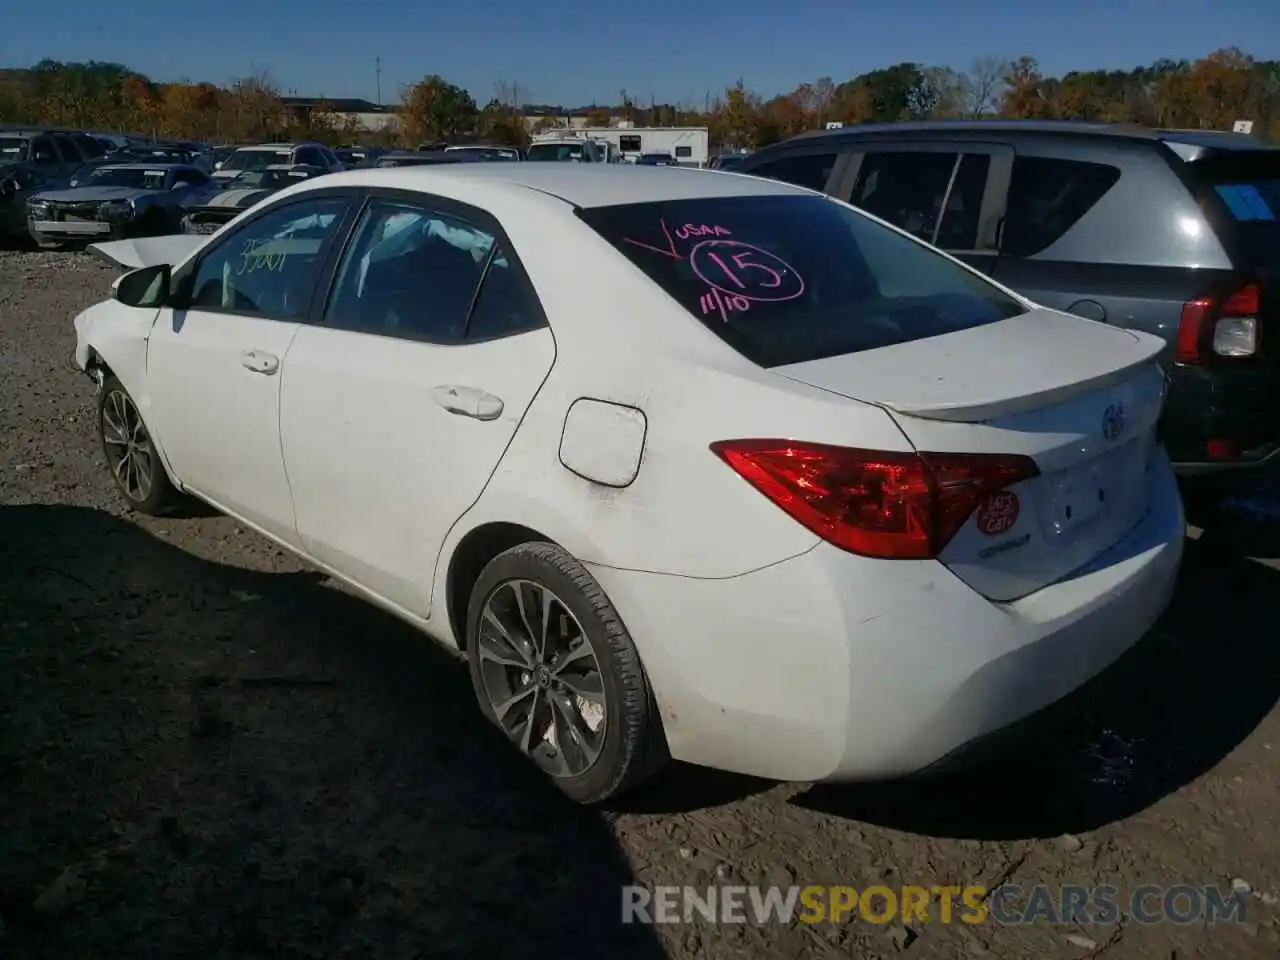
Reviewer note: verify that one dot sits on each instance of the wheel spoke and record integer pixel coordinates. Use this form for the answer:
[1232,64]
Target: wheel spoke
[588,686]
[574,738]
[143,466]
[574,656]
[503,708]
[523,603]
[530,722]
[121,467]
[518,646]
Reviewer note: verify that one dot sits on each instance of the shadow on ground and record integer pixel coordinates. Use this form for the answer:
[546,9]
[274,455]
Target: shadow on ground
[1174,707]
[203,761]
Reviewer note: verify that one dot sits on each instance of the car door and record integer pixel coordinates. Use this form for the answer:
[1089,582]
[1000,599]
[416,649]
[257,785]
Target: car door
[214,360]
[950,194]
[398,405]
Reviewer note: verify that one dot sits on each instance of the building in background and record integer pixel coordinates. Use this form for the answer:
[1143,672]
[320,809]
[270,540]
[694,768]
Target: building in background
[688,145]
[347,114]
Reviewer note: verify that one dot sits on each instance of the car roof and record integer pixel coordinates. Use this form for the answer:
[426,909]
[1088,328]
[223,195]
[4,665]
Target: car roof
[276,146]
[995,125]
[1190,141]
[582,185]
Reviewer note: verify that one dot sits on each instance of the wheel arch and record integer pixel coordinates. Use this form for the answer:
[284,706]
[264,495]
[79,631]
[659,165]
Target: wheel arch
[472,554]
[125,359]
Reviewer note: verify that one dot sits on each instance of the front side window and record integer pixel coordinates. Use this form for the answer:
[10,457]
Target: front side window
[810,170]
[269,268]
[791,278]
[410,272]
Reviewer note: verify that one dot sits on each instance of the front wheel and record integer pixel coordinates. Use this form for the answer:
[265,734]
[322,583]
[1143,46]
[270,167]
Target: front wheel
[555,669]
[130,452]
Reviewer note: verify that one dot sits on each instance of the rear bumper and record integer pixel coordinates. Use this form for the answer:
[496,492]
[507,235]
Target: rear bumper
[1237,404]
[829,666]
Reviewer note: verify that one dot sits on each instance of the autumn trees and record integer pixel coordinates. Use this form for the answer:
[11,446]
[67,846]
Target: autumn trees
[1210,93]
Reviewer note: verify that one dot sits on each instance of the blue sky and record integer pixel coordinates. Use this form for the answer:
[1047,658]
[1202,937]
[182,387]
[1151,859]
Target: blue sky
[575,51]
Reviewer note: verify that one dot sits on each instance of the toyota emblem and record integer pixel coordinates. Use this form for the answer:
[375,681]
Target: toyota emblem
[1113,421]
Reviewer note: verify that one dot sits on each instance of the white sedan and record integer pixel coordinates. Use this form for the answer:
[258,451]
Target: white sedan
[688,465]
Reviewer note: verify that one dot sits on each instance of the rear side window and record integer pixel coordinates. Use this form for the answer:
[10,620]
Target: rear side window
[906,189]
[1241,191]
[1047,197]
[410,272]
[786,279]
[806,170]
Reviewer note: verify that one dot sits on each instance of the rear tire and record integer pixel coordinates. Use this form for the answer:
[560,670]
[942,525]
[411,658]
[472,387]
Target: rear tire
[541,633]
[131,455]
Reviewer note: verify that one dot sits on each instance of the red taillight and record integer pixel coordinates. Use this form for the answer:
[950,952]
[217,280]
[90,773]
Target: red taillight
[871,502]
[1226,327]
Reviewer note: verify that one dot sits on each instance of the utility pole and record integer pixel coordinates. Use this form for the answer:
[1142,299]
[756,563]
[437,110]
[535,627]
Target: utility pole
[377,69]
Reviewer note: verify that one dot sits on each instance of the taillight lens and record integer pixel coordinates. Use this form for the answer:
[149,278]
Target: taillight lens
[1226,327]
[871,502]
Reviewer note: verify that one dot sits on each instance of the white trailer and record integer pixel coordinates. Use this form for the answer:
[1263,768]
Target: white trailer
[688,145]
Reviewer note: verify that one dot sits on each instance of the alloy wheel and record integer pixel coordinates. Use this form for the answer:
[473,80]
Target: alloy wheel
[541,677]
[128,446]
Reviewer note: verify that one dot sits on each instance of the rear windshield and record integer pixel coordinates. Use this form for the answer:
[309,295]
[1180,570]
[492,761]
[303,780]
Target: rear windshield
[785,279]
[256,159]
[1242,191]
[555,151]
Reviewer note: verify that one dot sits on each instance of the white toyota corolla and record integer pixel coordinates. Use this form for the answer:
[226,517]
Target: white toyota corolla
[689,464]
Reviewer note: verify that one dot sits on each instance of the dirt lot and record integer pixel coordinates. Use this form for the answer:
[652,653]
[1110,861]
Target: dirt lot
[207,751]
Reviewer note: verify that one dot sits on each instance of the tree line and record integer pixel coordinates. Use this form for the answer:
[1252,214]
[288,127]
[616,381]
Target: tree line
[1210,93]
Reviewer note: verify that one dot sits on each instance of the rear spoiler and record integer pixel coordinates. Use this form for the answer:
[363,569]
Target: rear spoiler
[149,251]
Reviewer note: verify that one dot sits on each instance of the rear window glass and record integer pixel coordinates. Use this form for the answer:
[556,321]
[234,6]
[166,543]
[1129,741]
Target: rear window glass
[786,279]
[1241,191]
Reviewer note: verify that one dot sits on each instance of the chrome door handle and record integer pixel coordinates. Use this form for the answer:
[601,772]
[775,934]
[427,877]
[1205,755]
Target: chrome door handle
[468,402]
[260,362]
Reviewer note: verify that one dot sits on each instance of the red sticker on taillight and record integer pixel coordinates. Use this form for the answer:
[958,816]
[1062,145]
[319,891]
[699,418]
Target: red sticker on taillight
[998,513]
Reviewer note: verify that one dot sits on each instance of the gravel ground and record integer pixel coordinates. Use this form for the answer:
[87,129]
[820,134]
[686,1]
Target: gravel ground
[207,750]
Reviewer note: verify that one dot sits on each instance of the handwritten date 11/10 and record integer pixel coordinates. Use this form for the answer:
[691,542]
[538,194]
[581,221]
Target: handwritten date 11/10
[716,301]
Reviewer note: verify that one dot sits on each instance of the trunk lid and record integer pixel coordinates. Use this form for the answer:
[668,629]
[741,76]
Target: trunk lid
[1080,398]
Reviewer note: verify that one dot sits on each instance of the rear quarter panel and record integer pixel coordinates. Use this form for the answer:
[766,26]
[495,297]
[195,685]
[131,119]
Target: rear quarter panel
[620,339]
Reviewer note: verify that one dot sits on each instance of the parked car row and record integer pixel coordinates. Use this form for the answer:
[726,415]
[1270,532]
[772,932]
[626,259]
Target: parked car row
[969,516]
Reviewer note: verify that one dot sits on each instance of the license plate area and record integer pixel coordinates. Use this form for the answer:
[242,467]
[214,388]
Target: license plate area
[1102,486]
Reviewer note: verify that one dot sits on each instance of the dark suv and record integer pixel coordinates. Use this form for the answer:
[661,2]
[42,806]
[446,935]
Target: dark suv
[1168,231]
[53,152]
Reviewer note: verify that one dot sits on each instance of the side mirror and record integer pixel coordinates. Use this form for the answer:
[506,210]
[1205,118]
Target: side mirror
[218,165]
[146,287]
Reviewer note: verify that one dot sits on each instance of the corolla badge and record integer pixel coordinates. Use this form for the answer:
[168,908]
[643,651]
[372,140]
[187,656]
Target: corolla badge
[1113,421]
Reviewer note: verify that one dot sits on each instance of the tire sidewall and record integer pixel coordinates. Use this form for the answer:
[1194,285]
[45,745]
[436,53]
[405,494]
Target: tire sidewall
[619,752]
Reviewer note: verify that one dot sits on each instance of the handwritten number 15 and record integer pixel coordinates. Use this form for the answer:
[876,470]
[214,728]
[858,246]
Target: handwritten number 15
[743,262]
